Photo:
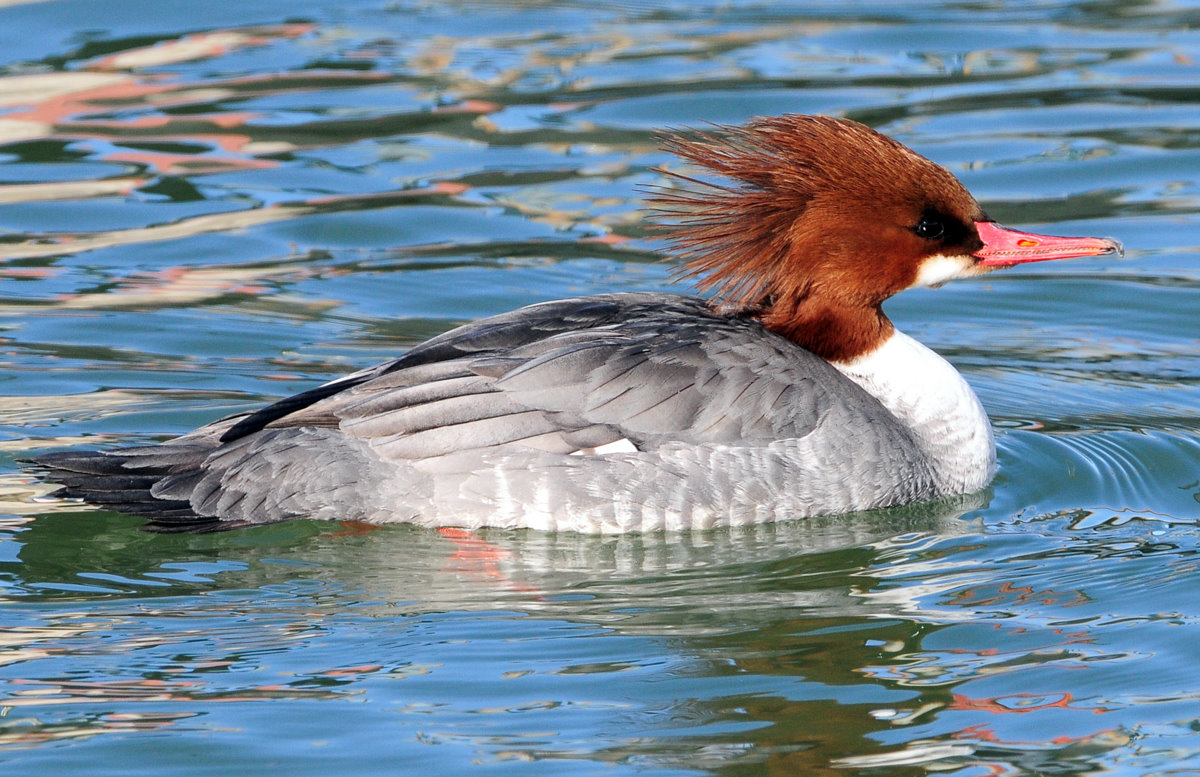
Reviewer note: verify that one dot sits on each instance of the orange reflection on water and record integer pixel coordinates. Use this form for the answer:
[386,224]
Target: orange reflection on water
[199,46]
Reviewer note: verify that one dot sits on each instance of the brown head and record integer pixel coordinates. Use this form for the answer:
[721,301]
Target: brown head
[827,218]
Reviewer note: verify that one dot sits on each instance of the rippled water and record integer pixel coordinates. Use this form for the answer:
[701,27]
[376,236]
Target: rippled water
[206,205]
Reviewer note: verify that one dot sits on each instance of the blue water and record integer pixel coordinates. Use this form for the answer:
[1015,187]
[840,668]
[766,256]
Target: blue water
[207,205]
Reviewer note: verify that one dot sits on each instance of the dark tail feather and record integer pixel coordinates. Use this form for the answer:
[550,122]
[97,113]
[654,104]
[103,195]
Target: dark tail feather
[122,480]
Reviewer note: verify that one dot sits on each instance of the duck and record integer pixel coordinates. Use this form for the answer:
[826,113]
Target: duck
[779,390]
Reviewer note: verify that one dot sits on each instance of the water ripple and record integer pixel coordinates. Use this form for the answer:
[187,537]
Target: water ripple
[1112,476]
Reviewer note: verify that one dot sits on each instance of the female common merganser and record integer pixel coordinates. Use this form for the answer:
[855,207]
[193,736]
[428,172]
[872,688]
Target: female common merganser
[792,395]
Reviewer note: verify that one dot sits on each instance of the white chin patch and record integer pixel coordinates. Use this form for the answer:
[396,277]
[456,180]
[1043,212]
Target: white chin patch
[940,268]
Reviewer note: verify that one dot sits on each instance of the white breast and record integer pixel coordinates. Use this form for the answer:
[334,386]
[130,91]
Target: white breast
[928,395]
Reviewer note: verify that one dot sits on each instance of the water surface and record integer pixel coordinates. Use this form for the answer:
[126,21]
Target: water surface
[208,205]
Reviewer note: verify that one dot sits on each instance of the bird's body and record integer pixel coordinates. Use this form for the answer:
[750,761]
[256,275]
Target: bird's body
[793,397]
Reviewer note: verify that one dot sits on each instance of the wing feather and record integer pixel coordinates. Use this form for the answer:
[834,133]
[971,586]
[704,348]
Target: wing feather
[663,372]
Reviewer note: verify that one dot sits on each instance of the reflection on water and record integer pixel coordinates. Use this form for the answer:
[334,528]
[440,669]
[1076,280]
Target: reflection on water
[217,204]
[452,609]
[792,644]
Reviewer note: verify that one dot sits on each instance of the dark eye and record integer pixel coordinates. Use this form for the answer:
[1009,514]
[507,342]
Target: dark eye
[930,228]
